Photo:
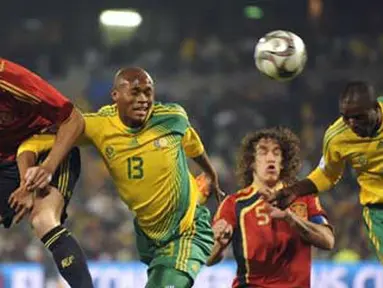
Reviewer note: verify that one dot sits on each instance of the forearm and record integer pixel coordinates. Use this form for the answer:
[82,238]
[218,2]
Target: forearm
[25,160]
[67,134]
[304,187]
[318,235]
[216,254]
[204,163]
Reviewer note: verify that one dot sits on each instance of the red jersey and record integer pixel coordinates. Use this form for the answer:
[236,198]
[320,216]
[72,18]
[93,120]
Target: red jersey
[269,253]
[28,105]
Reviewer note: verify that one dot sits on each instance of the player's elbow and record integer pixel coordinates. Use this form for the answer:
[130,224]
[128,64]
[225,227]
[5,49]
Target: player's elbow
[328,240]
[329,243]
[75,123]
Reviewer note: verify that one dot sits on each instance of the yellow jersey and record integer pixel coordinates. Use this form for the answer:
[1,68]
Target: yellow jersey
[148,165]
[365,155]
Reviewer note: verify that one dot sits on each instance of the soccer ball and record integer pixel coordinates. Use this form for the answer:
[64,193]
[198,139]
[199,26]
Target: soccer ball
[280,55]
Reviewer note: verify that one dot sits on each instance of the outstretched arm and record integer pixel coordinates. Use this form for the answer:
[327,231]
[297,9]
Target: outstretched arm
[67,134]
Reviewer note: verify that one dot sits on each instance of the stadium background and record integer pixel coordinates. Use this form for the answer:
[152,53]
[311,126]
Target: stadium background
[201,55]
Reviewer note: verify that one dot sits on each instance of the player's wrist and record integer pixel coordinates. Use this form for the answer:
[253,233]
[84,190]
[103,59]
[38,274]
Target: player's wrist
[289,217]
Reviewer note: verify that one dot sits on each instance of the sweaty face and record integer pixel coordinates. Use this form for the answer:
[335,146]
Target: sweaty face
[134,98]
[268,161]
[361,118]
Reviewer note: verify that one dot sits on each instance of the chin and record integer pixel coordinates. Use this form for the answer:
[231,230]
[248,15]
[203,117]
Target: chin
[271,181]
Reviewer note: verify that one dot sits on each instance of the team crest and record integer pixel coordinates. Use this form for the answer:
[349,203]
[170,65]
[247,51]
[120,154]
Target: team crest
[380,145]
[195,267]
[161,143]
[300,209]
[362,160]
[109,152]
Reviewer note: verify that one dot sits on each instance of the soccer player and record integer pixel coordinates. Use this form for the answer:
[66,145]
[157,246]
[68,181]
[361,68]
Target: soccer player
[145,146]
[272,247]
[356,137]
[29,105]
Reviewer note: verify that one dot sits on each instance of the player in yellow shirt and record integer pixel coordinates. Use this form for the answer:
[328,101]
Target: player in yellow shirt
[355,138]
[145,146]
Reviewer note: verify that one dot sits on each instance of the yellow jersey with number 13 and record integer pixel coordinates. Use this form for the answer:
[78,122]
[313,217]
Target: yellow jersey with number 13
[148,165]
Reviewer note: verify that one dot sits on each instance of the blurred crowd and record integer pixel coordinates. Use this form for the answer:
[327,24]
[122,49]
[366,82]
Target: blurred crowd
[215,79]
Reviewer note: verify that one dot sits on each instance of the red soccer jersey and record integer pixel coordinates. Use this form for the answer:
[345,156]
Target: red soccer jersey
[268,252]
[28,105]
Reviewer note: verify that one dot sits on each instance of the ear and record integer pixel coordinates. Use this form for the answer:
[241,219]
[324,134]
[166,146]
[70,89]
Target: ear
[115,95]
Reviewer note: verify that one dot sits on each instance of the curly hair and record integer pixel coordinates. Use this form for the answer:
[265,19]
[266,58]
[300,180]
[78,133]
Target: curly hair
[290,146]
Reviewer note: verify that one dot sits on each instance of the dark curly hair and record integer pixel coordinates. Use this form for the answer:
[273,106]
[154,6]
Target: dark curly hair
[290,146]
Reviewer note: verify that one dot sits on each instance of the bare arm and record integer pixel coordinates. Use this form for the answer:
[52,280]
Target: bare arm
[320,236]
[204,163]
[21,200]
[25,160]
[223,233]
[67,134]
[216,254]
[284,197]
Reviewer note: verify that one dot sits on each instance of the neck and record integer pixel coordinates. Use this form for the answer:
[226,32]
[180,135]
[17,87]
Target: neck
[267,184]
[128,122]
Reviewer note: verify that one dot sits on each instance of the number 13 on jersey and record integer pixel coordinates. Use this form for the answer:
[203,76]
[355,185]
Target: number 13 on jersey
[135,167]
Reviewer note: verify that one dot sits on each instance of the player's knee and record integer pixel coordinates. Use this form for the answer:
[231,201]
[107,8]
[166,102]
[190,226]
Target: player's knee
[46,213]
[43,221]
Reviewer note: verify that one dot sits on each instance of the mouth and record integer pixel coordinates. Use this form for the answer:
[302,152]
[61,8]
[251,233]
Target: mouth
[271,169]
[141,111]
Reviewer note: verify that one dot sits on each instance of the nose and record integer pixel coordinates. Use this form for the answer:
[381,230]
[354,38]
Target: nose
[142,97]
[270,157]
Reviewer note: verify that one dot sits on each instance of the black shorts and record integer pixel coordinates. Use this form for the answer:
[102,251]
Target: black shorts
[64,180]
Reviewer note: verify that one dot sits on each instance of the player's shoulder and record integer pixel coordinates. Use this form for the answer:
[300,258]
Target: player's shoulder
[335,132]
[104,111]
[170,108]
[244,193]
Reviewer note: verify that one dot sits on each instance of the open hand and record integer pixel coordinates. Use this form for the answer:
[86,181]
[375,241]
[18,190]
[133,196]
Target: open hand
[21,200]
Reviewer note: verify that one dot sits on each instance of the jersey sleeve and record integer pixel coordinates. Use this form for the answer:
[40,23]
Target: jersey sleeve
[37,144]
[331,165]
[316,213]
[43,142]
[226,211]
[192,144]
[26,86]
[93,124]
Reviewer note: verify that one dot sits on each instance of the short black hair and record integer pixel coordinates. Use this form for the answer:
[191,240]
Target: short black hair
[359,90]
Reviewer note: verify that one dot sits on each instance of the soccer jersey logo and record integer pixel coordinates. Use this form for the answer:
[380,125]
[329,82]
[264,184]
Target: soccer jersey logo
[109,152]
[362,160]
[161,143]
[300,209]
[380,145]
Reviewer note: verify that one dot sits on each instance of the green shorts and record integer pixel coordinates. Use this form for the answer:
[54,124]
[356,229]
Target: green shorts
[186,252]
[373,219]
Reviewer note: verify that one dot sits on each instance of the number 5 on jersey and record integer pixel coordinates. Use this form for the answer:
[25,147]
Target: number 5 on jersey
[135,169]
[263,217]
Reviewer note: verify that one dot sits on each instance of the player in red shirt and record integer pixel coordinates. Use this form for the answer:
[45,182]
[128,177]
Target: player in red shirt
[28,106]
[272,247]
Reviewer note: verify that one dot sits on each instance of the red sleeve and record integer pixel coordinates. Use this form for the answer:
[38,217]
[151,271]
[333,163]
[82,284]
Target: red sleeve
[226,211]
[28,87]
[315,211]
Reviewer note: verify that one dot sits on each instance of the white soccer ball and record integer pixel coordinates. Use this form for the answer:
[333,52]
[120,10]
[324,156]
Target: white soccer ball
[280,55]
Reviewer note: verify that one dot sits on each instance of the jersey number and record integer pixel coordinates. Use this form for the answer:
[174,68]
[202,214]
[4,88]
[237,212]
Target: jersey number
[135,170]
[262,217]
